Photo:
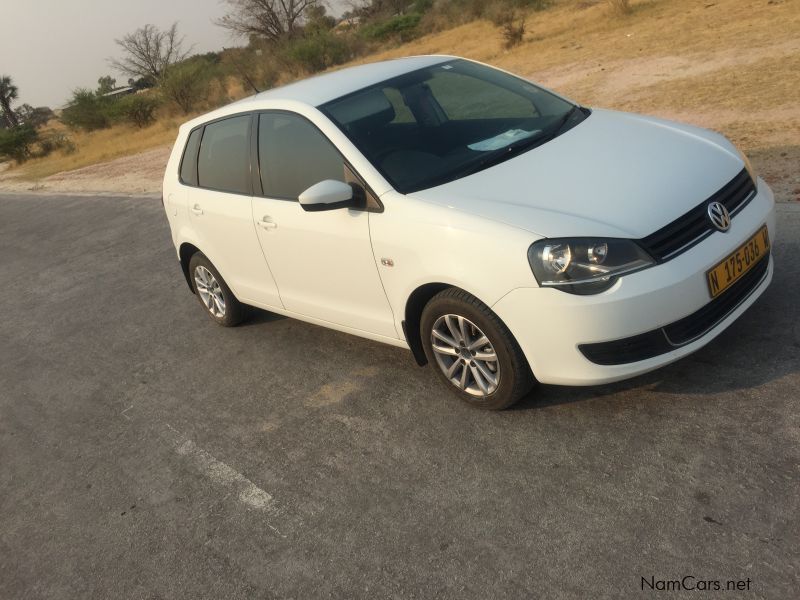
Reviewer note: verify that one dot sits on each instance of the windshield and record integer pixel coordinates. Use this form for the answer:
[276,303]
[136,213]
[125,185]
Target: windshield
[447,121]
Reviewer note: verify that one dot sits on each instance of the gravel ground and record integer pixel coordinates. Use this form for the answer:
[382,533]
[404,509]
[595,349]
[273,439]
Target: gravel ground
[146,453]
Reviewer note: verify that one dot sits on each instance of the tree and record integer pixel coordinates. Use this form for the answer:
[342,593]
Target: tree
[369,9]
[106,84]
[86,110]
[35,117]
[149,52]
[8,93]
[273,20]
[186,84]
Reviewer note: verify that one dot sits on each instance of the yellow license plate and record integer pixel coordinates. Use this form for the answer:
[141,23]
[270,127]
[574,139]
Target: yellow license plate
[730,270]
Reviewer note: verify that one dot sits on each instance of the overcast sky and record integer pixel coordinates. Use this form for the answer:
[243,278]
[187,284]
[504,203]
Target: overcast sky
[50,47]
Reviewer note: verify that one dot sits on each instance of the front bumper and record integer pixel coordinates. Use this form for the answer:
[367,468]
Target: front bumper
[551,325]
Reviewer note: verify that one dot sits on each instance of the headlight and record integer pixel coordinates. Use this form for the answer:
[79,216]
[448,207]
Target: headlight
[748,166]
[585,265]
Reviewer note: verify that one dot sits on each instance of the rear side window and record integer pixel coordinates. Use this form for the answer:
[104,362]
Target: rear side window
[189,160]
[224,161]
[294,155]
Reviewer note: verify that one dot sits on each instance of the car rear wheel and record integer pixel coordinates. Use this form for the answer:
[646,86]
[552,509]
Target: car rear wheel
[473,351]
[213,293]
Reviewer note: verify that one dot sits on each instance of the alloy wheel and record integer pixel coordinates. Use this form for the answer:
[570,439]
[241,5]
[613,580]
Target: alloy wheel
[210,291]
[465,355]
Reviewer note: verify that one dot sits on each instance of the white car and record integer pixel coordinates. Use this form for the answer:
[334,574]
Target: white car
[499,231]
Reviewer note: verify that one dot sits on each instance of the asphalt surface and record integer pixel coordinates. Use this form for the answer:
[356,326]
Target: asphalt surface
[147,453]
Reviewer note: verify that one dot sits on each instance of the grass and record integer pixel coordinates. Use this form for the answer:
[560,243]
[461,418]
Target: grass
[733,65]
[101,146]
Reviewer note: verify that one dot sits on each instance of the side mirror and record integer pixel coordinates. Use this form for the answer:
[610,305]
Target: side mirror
[328,195]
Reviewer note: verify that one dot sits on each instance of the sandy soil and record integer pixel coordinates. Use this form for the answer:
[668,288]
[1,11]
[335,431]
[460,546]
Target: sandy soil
[136,175]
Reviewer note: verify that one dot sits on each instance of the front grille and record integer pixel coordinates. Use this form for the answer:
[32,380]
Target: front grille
[665,339]
[694,226]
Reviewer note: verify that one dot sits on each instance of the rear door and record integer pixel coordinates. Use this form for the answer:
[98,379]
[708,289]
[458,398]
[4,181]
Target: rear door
[220,210]
[322,261]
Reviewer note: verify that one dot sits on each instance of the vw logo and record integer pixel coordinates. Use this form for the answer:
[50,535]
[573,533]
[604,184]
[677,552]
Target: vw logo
[719,216]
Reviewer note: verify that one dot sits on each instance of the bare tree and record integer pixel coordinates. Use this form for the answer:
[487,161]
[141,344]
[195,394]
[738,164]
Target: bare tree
[270,19]
[149,52]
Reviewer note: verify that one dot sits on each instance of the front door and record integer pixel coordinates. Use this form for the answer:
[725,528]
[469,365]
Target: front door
[322,261]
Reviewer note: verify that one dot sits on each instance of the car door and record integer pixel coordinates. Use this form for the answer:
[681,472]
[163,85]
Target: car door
[220,210]
[322,261]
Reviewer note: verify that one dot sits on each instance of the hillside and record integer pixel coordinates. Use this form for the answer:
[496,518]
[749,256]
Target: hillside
[730,65]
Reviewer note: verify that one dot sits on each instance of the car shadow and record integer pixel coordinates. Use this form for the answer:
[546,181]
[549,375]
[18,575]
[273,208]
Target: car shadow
[257,317]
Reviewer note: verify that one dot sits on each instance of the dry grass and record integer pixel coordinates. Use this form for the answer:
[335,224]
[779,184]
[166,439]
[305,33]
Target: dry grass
[732,65]
[620,7]
[737,58]
[101,146]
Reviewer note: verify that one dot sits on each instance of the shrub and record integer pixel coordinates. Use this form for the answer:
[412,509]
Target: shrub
[16,143]
[53,141]
[513,31]
[136,109]
[402,27]
[318,51]
[86,111]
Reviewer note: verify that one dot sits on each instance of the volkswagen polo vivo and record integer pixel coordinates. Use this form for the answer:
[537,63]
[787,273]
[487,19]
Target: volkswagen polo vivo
[497,230]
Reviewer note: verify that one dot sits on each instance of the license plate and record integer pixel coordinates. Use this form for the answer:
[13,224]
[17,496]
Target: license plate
[744,258]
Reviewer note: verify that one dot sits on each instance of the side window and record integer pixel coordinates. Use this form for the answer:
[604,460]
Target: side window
[189,160]
[294,155]
[224,161]
[463,97]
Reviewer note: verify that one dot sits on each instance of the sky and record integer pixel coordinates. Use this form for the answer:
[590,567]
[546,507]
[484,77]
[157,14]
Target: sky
[51,47]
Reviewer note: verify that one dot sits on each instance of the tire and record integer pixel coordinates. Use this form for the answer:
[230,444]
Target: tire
[220,305]
[443,317]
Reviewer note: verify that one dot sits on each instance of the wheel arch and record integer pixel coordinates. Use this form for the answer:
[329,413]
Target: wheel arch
[411,321]
[185,253]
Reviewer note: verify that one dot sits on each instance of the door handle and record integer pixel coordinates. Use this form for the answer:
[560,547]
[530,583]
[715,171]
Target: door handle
[197,210]
[267,223]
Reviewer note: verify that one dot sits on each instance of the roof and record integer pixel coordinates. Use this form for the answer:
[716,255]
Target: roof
[329,86]
[121,90]
[320,89]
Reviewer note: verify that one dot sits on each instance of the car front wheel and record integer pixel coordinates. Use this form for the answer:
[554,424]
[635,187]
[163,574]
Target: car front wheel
[473,351]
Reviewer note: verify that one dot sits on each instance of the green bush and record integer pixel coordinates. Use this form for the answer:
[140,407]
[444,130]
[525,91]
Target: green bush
[16,143]
[318,51]
[402,27]
[136,109]
[86,111]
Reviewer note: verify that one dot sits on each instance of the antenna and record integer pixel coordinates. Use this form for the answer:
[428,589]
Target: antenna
[242,72]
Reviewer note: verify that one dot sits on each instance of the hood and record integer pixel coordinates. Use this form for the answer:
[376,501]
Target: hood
[614,174]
